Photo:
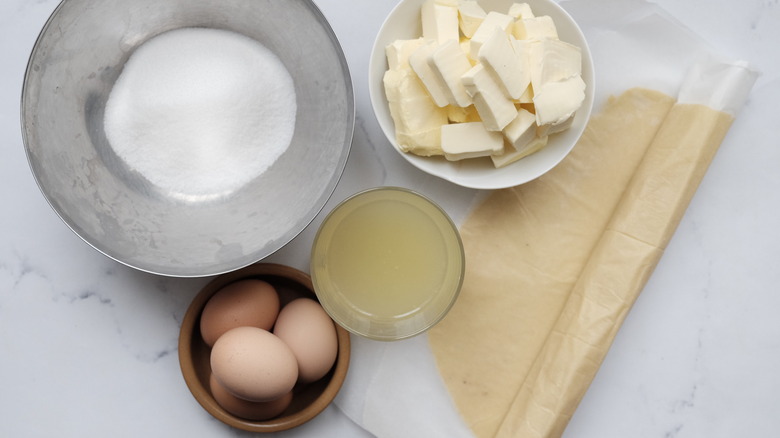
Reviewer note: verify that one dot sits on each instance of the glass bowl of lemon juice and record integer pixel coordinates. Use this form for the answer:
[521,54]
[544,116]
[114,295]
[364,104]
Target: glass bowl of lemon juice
[387,263]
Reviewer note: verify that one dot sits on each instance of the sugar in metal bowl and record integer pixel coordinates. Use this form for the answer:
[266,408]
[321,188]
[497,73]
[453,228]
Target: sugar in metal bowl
[119,210]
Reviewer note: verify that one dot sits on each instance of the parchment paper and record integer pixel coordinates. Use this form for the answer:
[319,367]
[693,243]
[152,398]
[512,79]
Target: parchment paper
[401,390]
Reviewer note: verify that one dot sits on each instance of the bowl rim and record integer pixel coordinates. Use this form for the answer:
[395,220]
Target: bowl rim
[203,395]
[450,171]
[161,268]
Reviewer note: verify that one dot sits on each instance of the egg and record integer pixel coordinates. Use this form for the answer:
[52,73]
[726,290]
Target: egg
[255,411]
[253,364]
[311,335]
[251,302]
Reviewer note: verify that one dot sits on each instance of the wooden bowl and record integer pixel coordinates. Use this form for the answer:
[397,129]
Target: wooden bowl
[308,400]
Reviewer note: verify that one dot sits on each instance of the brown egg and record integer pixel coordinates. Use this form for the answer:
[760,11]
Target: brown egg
[256,411]
[311,335]
[252,303]
[253,364]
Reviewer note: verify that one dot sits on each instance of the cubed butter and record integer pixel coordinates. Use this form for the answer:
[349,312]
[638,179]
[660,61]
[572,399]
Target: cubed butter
[439,22]
[410,106]
[521,131]
[482,83]
[449,63]
[520,10]
[535,28]
[470,140]
[470,16]
[556,102]
[552,61]
[510,155]
[416,117]
[485,30]
[418,61]
[510,68]
[423,143]
[551,129]
[399,50]
[495,109]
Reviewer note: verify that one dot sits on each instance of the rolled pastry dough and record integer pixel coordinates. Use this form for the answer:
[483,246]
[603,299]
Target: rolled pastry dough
[525,248]
[625,256]
[553,266]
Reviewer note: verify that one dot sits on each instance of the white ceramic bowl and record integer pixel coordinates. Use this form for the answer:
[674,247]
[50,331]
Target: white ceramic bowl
[404,23]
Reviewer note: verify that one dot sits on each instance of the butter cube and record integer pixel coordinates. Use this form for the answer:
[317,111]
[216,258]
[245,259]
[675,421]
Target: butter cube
[416,117]
[411,107]
[521,131]
[495,109]
[470,16]
[556,102]
[423,143]
[557,127]
[418,61]
[520,10]
[510,68]
[535,28]
[469,140]
[510,155]
[399,50]
[439,22]
[485,30]
[449,63]
[553,60]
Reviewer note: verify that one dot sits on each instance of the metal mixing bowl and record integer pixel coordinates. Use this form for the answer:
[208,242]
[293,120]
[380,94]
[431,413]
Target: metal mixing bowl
[73,66]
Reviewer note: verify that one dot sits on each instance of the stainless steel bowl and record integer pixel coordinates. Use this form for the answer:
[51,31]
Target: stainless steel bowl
[76,59]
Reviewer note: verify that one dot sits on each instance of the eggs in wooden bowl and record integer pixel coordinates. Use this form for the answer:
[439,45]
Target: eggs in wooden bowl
[271,358]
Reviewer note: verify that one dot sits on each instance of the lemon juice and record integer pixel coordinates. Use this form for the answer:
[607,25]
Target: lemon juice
[387,263]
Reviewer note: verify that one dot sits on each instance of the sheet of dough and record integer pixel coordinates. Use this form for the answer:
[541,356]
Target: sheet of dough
[526,247]
[628,251]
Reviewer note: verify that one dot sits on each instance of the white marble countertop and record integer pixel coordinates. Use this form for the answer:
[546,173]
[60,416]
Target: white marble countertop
[88,346]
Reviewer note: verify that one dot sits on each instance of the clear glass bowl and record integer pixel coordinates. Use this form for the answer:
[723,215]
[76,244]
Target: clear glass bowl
[387,263]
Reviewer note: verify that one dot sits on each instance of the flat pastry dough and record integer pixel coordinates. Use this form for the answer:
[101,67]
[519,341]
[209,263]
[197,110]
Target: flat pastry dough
[551,273]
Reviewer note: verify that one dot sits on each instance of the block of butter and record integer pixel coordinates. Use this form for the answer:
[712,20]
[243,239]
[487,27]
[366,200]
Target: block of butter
[470,140]
[522,130]
[520,10]
[449,63]
[439,22]
[399,50]
[511,155]
[557,101]
[485,30]
[535,28]
[470,16]
[495,109]
[417,118]
[510,67]
[553,60]
[433,83]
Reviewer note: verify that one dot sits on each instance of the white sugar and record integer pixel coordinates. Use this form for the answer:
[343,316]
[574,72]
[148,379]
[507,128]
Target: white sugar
[201,112]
